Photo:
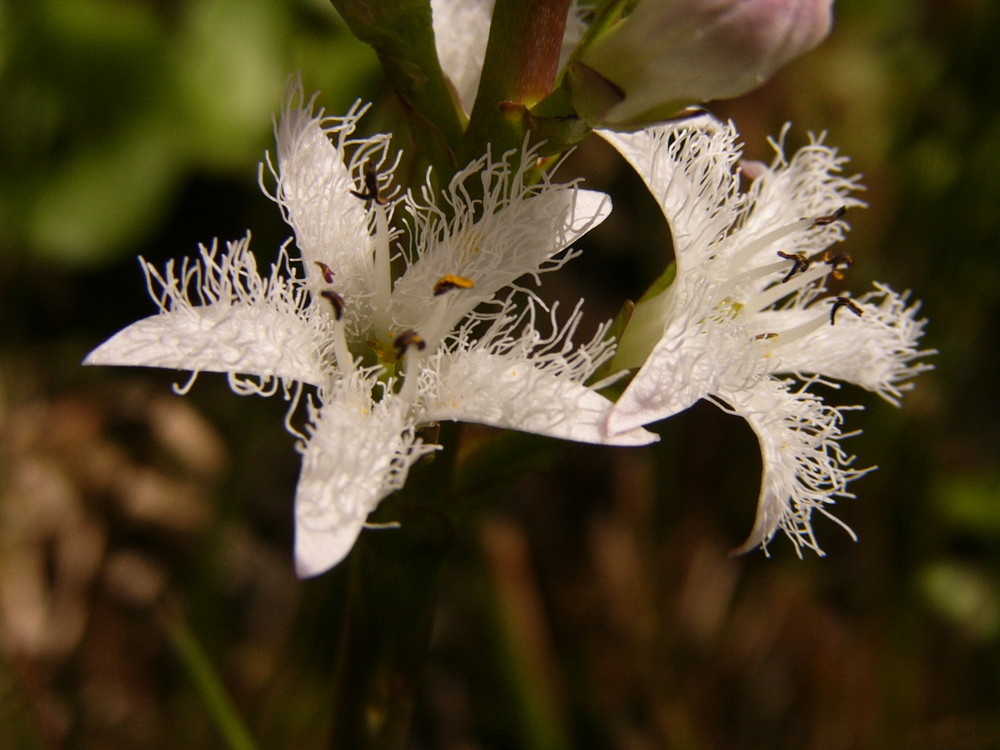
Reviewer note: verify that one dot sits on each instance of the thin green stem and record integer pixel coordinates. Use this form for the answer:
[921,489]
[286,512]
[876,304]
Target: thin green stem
[206,681]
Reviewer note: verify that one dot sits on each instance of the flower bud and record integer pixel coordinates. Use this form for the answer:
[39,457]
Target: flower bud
[668,54]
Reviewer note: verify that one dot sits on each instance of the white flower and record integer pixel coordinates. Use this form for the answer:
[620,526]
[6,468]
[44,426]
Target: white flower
[384,357]
[461,30]
[667,54]
[745,323]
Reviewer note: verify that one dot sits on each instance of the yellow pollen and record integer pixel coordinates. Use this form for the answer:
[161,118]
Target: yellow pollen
[449,281]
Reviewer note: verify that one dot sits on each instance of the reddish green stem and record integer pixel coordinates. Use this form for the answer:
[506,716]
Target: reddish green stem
[522,58]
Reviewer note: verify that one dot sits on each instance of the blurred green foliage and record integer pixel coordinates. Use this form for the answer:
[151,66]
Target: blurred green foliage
[110,105]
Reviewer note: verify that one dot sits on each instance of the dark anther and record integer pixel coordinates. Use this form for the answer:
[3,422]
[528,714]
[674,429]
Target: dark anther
[765,336]
[822,221]
[799,264]
[840,302]
[407,339]
[371,191]
[448,282]
[335,300]
[325,270]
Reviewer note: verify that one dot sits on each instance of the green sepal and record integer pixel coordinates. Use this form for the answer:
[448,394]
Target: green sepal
[645,324]
[591,94]
[555,123]
[605,15]
[615,331]
[661,284]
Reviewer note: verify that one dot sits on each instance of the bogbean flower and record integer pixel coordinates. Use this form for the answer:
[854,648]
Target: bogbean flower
[667,54]
[746,323]
[452,338]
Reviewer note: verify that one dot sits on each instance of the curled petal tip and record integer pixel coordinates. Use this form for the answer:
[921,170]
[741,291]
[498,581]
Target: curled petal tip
[640,436]
[752,543]
[621,421]
[319,550]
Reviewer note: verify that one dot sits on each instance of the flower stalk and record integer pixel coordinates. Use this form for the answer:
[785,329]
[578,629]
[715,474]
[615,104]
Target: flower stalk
[385,633]
[522,58]
[207,681]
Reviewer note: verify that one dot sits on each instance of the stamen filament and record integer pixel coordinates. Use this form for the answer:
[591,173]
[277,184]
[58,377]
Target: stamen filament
[752,275]
[345,360]
[411,373]
[744,256]
[432,326]
[383,268]
[779,291]
[783,338]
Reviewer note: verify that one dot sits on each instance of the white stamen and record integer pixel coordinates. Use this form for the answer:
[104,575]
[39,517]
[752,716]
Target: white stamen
[411,374]
[753,274]
[345,360]
[800,331]
[776,292]
[383,269]
[745,255]
[431,327]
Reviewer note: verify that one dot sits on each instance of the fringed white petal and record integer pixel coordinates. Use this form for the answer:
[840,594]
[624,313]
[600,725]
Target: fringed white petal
[809,186]
[680,371]
[689,167]
[358,452]
[805,468]
[220,315]
[703,346]
[876,350]
[513,231]
[318,548]
[319,165]
[514,376]
[494,390]
[244,340]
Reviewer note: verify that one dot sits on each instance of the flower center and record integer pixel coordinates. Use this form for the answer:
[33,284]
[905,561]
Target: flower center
[413,346]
